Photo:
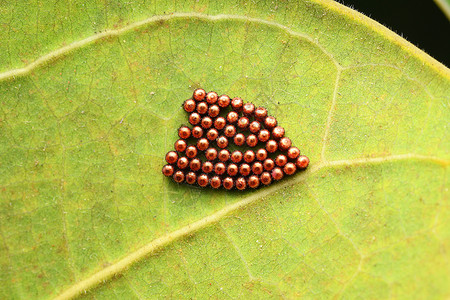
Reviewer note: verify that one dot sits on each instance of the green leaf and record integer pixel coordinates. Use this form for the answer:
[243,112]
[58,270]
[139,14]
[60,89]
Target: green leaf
[91,95]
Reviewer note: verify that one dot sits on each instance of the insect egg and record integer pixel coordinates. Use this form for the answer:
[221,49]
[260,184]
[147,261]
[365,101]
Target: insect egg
[253,181]
[220,168]
[222,142]
[197,132]
[223,101]
[202,144]
[266,178]
[215,182]
[191,178]
[195,164]
[202,108]
[302,162]
[168,170]
[207,167]
[248,109]
[178,176]
[260,114]
[212,134]
[289,168]
[171,157]
[224,155]
[237,104]
[189,105]
[194,118]
[285,143]
[211,154]
[243,123]
[236,156]
[254,127]
[199,94]
[184,132]
[245,169]
[212,97]
[232,117]
[180,145]
[220,123]
[182,162]
[213,111]
[239,139]
[277,174]
[228,183]
[191,151]
[252,140]
[206,122]
[293,152]
[203,180]
[232,169]
[240,183]
[229,131]
[270,122]
[271,146]
[249,156]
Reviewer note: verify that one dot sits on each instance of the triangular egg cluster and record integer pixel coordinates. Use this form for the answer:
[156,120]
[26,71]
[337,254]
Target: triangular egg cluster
[231,144]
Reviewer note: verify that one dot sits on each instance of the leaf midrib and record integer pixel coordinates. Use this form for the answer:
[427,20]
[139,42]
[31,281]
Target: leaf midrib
[158,243]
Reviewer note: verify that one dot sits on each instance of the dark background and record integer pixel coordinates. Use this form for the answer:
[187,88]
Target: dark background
[419,21]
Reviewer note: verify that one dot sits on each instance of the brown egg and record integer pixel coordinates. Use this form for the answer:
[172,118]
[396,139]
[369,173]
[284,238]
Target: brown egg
[168,170]
[212,97]
[248,109]
[232,169]
[213,111]
[202,144]
[223,101]
[189,105]
[232,117]
[207,167]
[277,174]
[191,178]
[220,123]
[245,169]
[243,123]
[239,139]
[265,178]
[249,156]
[191,151]
[253,181]
[237,104]
[206,122]
[197,132]
[252,140]
[222,142]
[195,164]
[302,162]
[184,132]
[271,146]
[172,157]
[289,168]
[224,155]
[268,164]
[270,122]
[254,127]
[178,176]
[261,154]
[211,154]
[260,114]
[257,168]
[228,183]
[285,143]
[212,134]
[240,183]
[203,180]
[293,152]
[182,162]
[180,145]
[281,160]
[194,118]
[278,132]
[199,94]
[264,135]
[215,182]
[236,156]
[220,168]
[229,131]
[202,108]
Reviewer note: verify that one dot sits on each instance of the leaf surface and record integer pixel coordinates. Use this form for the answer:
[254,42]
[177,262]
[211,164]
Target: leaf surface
[91,98]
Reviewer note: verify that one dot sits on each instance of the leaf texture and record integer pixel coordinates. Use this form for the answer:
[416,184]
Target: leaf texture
[91,98]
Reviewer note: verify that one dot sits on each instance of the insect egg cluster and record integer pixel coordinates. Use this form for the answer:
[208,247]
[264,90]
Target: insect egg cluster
[231,144]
